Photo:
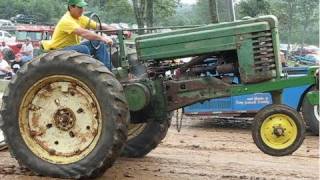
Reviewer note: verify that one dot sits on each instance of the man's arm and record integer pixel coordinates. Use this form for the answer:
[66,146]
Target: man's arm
[5,68]
[108,27]
[92,36]
[114,29]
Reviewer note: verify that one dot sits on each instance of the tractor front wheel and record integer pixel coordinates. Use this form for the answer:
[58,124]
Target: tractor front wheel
[278,130]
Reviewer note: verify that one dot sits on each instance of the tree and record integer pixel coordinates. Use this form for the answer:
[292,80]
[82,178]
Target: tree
[309,16]
[116,11]
[253,8]
[148,12]
[213,9]
[44,11]
[139,7]
[164,9]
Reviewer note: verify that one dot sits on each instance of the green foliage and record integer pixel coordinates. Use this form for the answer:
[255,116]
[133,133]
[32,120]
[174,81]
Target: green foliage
[298,19]
[112,11]
[164,9]
[44,11]
[254,8]
[189,15]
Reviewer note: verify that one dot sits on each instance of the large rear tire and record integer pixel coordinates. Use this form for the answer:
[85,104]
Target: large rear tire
[311,115]
[65,115]
[144,137]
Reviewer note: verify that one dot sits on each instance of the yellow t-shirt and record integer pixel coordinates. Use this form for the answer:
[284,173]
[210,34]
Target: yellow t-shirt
[64,35]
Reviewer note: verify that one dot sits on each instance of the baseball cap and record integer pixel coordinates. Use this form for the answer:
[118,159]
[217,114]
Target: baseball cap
[79,3]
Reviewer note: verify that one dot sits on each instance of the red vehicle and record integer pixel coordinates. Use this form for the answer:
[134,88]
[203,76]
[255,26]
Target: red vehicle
[35,32]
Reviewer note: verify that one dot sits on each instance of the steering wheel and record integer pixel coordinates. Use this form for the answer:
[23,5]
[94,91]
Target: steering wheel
[92,16]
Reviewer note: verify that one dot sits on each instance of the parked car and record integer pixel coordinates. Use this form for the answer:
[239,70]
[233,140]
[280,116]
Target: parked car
[6,24]
[7,37]
[23,19]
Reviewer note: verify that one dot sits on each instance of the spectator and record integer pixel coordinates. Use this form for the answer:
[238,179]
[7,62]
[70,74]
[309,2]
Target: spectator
[4,46]
[6,51]
[17,63]
[5,69]
[27,51]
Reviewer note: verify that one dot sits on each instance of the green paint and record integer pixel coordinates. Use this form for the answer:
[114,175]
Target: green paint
[313,97]
[193,43]
[272,85]
[138,96]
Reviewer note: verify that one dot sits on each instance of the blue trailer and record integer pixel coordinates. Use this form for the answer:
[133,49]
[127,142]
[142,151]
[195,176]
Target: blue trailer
[249,105]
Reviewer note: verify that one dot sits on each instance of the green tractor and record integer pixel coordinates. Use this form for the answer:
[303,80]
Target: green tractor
[66,115]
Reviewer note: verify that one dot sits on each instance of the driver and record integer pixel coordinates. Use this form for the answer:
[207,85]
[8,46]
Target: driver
[72,27]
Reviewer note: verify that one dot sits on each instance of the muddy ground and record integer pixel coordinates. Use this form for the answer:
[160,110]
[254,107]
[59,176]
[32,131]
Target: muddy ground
[204,149]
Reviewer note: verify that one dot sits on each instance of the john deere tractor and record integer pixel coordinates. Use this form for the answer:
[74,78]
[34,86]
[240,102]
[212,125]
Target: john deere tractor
[66,115]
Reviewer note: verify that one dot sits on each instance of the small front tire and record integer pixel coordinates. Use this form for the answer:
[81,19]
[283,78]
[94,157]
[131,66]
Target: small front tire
[278,130]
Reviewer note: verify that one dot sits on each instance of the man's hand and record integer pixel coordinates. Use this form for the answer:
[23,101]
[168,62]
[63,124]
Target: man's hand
[92,36]
[127,34]
[107,40]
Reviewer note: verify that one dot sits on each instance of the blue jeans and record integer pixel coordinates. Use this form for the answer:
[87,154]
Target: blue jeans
[25,58]
[102,53]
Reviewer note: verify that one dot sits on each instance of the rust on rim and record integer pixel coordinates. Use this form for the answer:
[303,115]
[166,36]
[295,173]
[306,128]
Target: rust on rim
[60,119]
[135,129]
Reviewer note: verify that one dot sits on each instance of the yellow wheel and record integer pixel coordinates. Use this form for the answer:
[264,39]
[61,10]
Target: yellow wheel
[65,115]
[278,130]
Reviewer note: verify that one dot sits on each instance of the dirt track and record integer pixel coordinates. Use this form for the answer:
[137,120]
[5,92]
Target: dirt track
[203,150]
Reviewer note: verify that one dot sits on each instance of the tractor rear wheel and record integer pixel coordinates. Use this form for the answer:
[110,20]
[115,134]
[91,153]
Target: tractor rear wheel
[278,130]
[311,115]
[65,115]
[144,137]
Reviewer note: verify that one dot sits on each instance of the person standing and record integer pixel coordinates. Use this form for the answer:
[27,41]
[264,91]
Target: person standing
[27,51]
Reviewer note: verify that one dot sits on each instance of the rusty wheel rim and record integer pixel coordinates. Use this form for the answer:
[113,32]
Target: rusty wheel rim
[135,129]
[60,119]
